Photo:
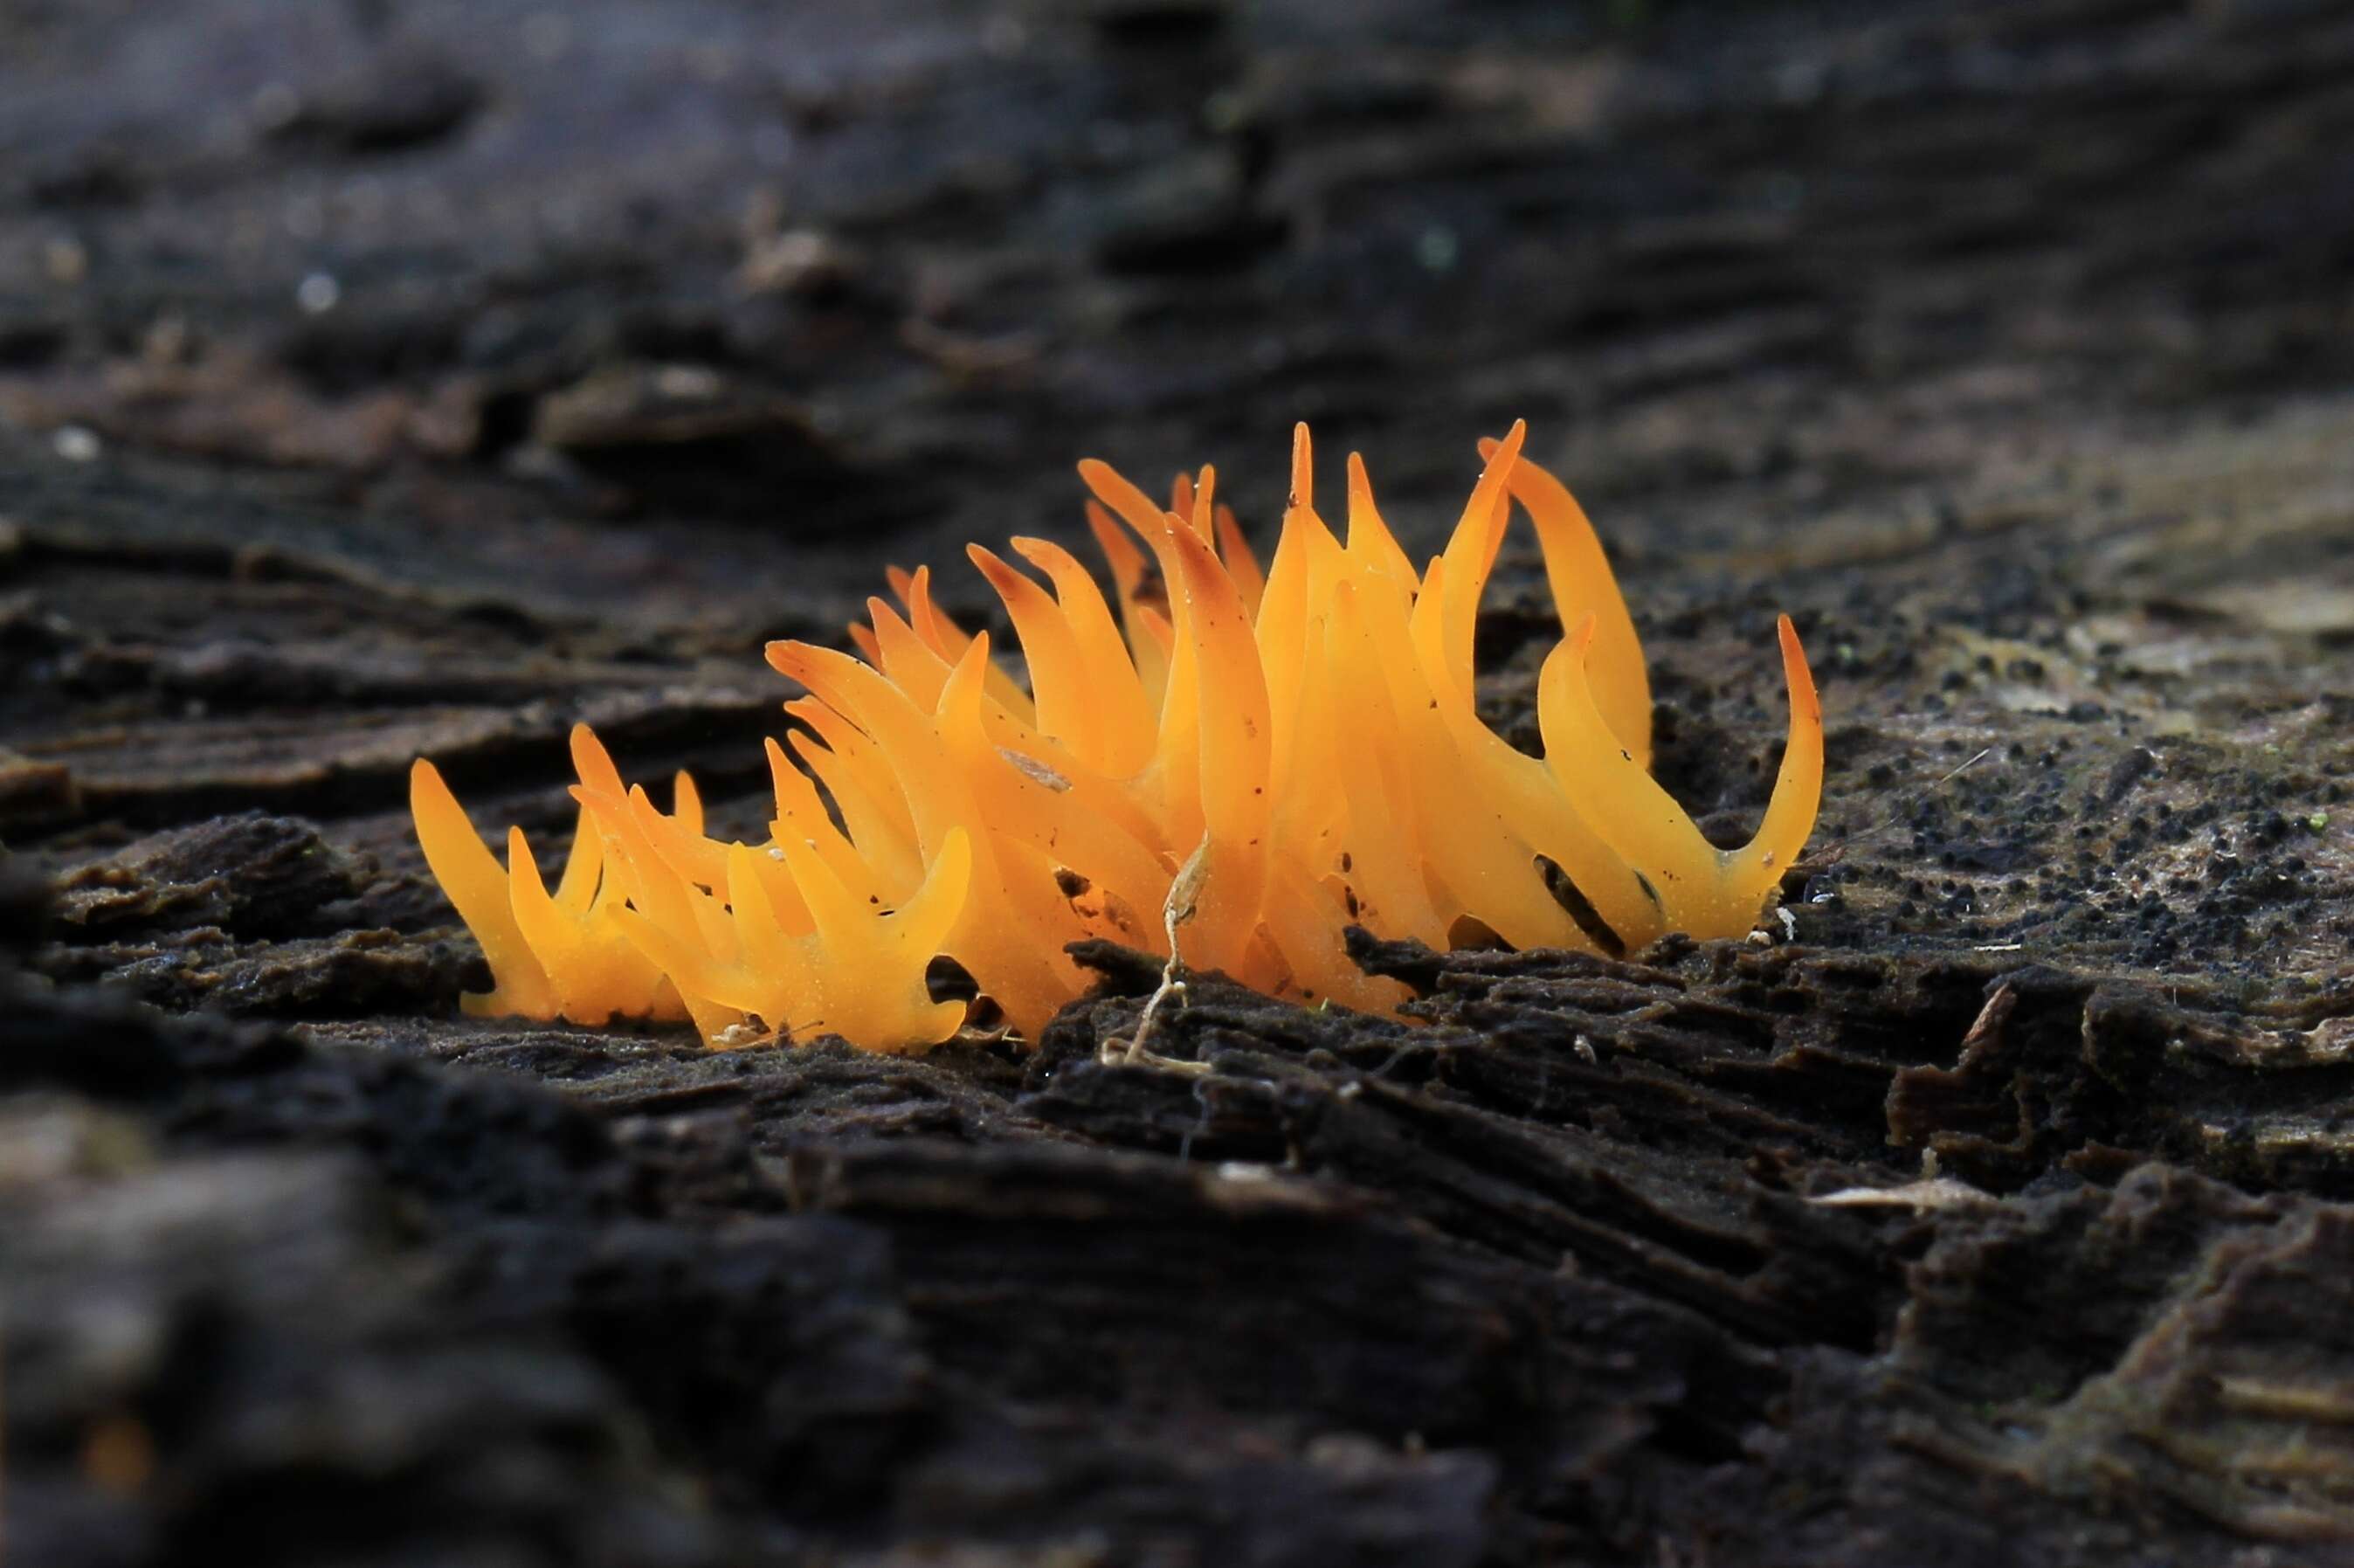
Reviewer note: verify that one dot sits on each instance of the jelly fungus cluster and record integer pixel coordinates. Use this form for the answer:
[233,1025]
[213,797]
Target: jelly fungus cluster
[1245,760]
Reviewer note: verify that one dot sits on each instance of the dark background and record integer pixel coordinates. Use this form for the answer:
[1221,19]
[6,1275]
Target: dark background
[383,378]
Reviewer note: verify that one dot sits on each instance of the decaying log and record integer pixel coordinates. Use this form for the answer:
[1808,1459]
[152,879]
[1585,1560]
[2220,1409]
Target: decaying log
[410,380]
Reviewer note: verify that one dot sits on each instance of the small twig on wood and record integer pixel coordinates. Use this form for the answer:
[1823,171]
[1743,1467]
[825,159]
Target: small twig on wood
[1175,911]
[1813,861]
[1966,767]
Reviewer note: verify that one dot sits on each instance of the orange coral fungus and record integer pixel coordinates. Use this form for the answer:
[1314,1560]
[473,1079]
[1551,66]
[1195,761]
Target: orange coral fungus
[1251,761]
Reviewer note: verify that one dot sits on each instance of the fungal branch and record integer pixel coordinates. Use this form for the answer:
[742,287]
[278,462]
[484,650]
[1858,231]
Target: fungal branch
[1266,755]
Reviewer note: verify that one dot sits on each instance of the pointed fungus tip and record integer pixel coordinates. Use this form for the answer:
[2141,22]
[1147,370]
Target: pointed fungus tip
[1797,673]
